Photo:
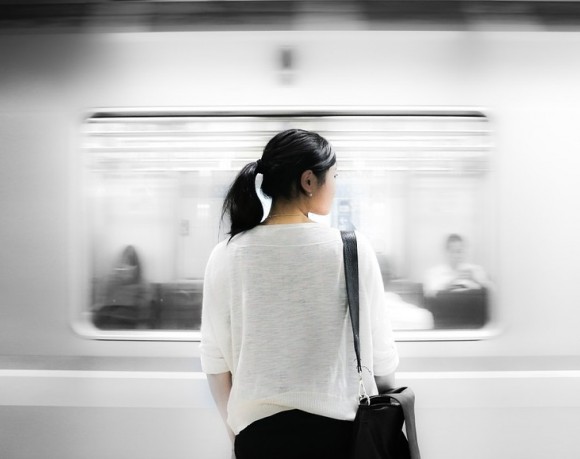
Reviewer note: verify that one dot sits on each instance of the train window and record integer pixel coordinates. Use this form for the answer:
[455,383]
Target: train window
[418,185]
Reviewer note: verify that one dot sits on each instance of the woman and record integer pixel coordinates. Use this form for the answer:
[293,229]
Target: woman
[277,343]
[125,301]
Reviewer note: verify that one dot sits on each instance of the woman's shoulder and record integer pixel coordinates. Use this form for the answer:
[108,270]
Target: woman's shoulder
[367,256]
[364,244]
[218,253]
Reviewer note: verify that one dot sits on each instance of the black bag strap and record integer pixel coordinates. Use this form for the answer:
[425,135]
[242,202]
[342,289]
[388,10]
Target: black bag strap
[405,396]
[351,274]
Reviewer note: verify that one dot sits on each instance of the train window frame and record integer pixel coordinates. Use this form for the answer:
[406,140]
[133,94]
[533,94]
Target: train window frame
[81,259]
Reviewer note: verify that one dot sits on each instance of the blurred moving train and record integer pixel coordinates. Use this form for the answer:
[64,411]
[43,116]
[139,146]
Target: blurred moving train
[126,137]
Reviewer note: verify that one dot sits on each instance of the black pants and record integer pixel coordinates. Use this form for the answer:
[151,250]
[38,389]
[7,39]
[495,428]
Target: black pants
[295,435]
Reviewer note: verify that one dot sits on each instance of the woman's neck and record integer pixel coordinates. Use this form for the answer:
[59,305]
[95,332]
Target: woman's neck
[287,212]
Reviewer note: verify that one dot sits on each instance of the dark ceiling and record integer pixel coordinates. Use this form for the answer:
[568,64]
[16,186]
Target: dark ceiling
[159,15]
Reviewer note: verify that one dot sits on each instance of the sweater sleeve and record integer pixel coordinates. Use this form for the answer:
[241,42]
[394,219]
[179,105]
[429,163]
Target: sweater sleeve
[213,323]
[385,355]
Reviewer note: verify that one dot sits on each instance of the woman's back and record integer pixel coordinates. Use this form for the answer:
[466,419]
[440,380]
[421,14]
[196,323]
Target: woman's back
[275,300]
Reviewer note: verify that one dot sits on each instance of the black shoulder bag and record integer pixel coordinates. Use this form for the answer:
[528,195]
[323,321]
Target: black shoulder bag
[377,430]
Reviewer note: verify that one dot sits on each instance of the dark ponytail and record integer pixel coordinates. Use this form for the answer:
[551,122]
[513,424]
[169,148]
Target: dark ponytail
[242,203]
[286,156]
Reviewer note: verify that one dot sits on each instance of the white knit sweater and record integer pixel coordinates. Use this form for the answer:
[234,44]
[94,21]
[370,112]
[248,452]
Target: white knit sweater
[275,316]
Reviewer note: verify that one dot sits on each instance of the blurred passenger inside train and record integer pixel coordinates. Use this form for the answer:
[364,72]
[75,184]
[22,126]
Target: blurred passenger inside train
[456,274]
[277,343]
[457,292]
[125,303]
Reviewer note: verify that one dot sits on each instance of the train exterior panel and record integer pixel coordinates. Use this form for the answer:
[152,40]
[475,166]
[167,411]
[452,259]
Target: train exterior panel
[512,393]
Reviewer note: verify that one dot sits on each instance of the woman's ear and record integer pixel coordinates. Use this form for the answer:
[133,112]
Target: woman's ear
[308,181]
